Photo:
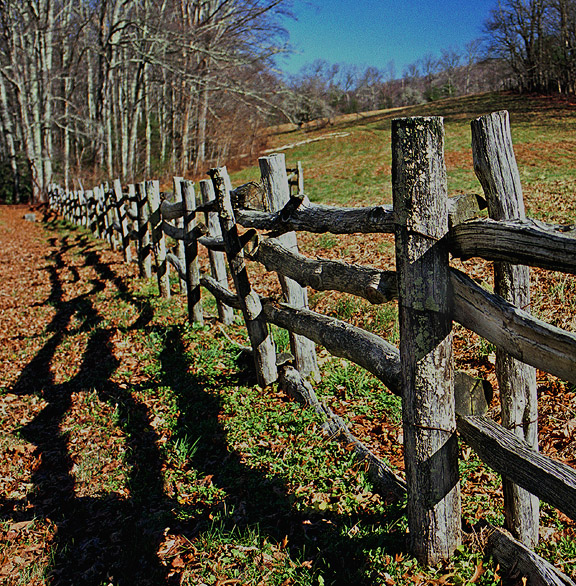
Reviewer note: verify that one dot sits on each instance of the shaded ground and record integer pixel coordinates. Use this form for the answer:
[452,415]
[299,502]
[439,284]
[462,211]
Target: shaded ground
[119,469]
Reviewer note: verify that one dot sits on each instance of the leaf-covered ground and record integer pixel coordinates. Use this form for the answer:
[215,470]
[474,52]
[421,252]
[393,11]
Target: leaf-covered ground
[137,449]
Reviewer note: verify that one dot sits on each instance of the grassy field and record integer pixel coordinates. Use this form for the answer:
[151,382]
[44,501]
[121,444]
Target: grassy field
[356,169]
[137,449]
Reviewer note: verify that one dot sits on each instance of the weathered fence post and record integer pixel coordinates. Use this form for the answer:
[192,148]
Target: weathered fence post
[92,208]
[260,339]
[102,227]
[111,234]
[428,409]
[496,169]
[158,237]
[132,213]
[275,181]
[217,259]
[300,172]
[75,207]
[195,313]
[83,208]
[122,220]
[180,246]
[144,248]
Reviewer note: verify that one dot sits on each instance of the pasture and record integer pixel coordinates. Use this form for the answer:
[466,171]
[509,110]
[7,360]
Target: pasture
[138,449]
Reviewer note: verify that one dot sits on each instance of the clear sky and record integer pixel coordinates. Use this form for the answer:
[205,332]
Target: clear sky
[375,32]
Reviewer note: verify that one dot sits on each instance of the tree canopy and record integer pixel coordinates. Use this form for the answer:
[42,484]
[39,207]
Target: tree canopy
[124,87]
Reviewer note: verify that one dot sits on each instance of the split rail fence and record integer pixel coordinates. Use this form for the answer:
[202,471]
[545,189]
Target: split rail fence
[438,404]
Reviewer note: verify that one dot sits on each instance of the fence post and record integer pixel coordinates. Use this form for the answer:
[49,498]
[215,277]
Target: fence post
[102,228]
[83,208]
[132,213]
[111,234]
[195,313]
[180,250]
[260,339]
[99,216]
[75,206]
[496,169]
[217,259]
[300,172]
[92,207]
[275,181]
[428,411]
[122,216]
[158,237]
[144,248]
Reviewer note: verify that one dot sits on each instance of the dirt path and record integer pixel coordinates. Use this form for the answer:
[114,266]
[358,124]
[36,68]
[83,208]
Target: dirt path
[58,353]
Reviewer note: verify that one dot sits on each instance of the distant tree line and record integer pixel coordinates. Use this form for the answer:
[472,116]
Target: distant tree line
[323,90]
[127,87]
[135,88]
[529,46]
[537,39]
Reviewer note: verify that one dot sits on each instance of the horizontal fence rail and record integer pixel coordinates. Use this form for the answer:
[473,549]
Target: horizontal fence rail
[428,227]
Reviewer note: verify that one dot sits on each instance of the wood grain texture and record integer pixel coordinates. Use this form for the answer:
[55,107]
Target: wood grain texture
[375,285]
[428,406]
[496,169]
[514,330]
[321,219]
[509,455]
[527,242]
[517,562]
[277,191]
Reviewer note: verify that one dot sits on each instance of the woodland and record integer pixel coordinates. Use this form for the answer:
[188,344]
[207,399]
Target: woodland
[95,89]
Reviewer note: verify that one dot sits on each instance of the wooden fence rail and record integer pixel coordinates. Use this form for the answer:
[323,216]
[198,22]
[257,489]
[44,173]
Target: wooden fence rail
[428,227]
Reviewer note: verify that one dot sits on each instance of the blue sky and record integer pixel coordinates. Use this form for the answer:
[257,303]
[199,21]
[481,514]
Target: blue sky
[375,32]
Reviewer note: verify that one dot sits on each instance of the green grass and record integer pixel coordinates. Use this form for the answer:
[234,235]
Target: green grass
[356,169]
[223,481]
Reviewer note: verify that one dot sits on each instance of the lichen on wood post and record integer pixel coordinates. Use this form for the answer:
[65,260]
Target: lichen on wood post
[195,312]
[496,169]
[217,259]
[428,406]
[260,338]
[277,190]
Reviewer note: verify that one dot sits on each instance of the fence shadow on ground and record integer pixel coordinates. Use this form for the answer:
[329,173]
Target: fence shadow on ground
[98,538]
[114,539]
[254,500]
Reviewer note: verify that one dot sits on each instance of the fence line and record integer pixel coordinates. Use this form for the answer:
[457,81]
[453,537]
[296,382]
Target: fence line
[428,226]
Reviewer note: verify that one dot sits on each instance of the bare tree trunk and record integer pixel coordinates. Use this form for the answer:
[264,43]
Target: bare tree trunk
[148,132]
[9,137]
[201,134]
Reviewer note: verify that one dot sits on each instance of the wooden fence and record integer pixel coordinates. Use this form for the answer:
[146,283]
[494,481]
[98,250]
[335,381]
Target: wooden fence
[438,403]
